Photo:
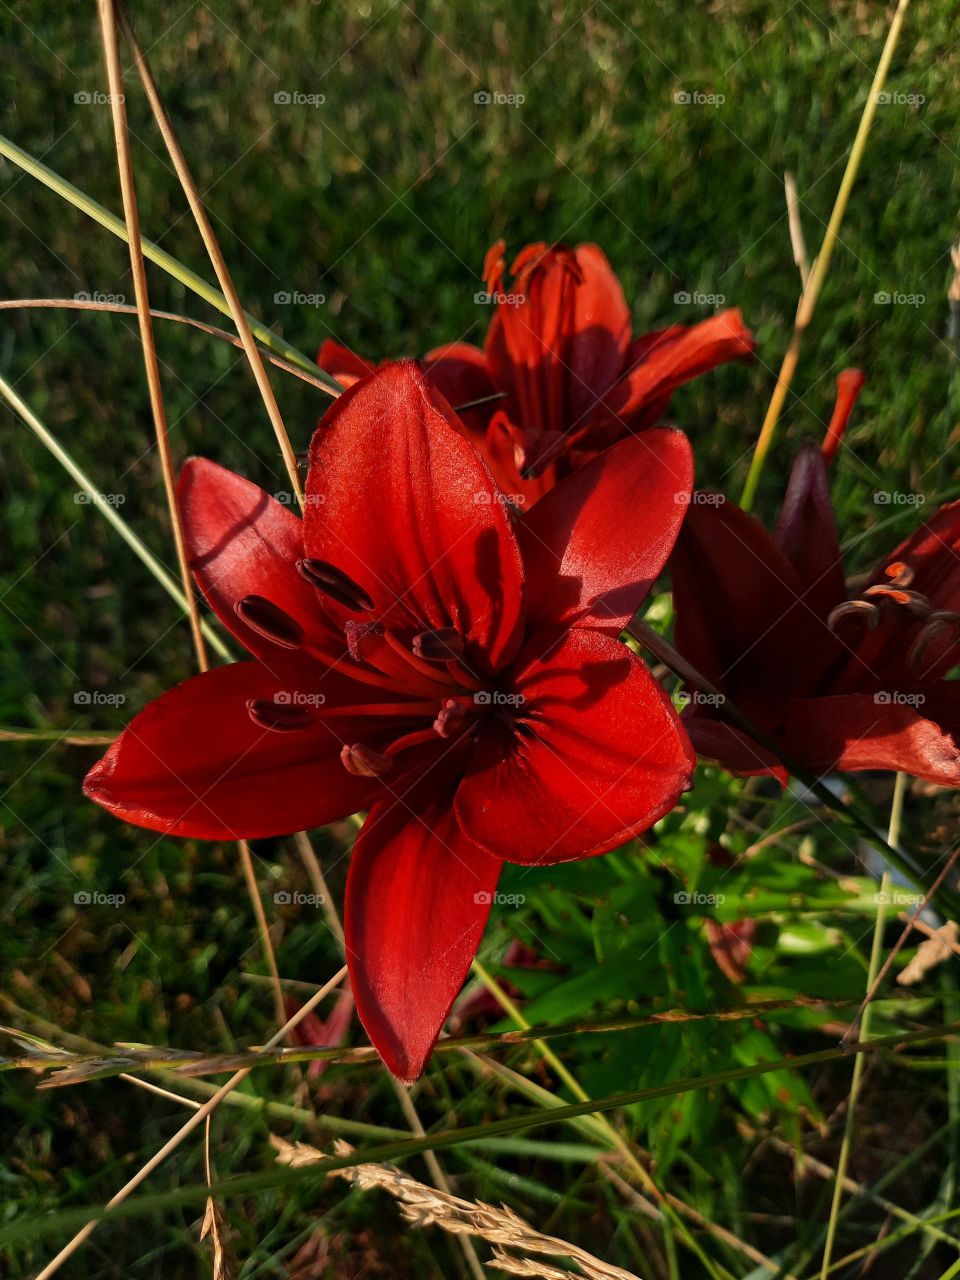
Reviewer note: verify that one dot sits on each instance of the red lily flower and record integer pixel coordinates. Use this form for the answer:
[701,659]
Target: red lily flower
[417,654]
[559,351]
[841,683]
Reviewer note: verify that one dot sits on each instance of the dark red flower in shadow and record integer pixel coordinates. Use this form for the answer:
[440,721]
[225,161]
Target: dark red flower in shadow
[841,683]
[313,1031]
[560,353]
[419,654]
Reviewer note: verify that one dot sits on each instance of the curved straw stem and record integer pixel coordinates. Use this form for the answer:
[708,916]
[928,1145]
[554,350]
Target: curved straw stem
[124,308]
[818,276]
[196,284]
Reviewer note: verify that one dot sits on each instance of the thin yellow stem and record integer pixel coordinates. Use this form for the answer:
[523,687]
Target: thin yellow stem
[205,227]
[893,837]
[821,267]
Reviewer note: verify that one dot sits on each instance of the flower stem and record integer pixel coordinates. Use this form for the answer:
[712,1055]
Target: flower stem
[893,837]
[818,276]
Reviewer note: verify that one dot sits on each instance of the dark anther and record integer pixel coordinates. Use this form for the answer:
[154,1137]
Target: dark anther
[862,609]
[280,716]
[334,582]
[364,762]
[449,718]
[438,646]
[270,621]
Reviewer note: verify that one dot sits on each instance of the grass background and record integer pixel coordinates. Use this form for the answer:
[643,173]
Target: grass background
[384,199]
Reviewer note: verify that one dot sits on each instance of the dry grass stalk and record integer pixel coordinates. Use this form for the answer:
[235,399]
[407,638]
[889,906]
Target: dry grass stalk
[423,1206]
[937,947]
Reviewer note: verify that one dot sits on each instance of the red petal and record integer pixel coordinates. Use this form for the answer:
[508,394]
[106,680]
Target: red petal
[418,897]
[560,348]
[241,542]
[933,553]
[654,369]
[594,545]
[597,756]
[740,620]
[854,731]
[193,763]
[400,502]
[732,749]
[806,532]
[343,364]
[459,372]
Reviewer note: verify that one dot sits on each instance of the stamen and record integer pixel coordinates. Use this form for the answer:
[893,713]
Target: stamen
[335,583]
[356,633]
[862,609]
[449,718]
[278,716]
[912,600]
[938,625]
[439,645]
[364,762]
[901,574]
[269,621]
